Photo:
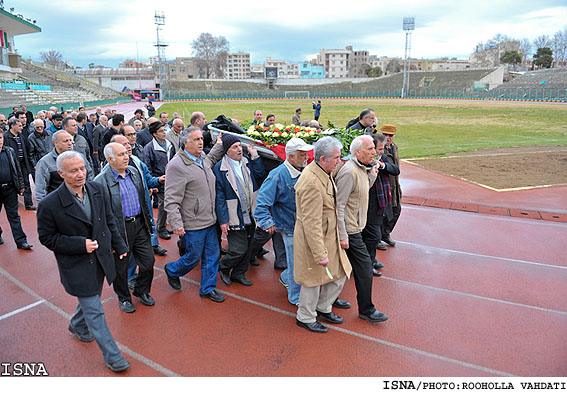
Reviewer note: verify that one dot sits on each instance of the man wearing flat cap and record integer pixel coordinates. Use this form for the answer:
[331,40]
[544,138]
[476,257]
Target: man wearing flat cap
[237,184]
[391,153]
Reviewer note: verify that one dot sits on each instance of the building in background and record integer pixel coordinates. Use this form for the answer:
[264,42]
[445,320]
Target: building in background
[182,69]
[12,25]
[312,70]
[286,70]
[344,63]
[237,66]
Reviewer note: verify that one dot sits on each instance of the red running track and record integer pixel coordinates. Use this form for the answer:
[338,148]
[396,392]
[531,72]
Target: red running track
[467,295]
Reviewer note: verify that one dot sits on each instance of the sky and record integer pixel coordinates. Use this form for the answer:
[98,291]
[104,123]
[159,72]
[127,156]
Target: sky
[108,32]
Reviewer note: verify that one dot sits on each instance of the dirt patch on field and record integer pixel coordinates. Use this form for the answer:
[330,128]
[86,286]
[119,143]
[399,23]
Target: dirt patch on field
[505,168]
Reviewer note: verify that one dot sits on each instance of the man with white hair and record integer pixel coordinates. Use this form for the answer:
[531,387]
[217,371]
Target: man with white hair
[138,125]
[40,143]
[320,264]
[173,134]
[125,188]
[77,224]
[353,183]
[275,206]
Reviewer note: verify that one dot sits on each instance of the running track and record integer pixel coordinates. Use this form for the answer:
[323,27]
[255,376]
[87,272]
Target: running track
[467,295]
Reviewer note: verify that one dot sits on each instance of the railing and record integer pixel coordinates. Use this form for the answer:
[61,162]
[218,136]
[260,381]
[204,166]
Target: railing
[516,94]
[69,105]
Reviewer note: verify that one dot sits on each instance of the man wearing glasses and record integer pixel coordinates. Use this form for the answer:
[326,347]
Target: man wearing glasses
[40,143]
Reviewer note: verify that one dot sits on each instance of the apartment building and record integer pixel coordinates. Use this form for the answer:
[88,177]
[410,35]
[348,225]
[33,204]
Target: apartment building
[286,70]
[237,66]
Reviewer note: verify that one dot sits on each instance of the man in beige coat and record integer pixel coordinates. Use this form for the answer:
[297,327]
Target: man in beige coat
[354,180]
[320,264]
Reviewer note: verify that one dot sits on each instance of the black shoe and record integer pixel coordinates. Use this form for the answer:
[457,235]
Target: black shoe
[214,296]
[84,337]
[118,366]
[262,252]
[170,231]
[376,273]
[225,278]
[340,303]
[283,283]
[254,262]
[132,284]
[31,208]
[381,246]
[164,235]
[173,282]
[388,240]
[1,240]
[242,280]
[126,306]
[159,251]
[330,317]
[314,327]
[24,246]
[377,265]
[376,316]
[146,299]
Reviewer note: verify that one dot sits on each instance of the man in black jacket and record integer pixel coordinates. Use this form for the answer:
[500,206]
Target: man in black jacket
[125,189]
[366,121]
[76,223]
[11,184]
[20,144]
[379,203]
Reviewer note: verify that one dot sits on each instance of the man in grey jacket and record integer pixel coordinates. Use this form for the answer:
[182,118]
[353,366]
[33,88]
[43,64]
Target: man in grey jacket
[190,205]
[80,143]
[40,143]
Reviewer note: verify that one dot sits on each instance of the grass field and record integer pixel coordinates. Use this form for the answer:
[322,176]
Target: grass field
[425,127]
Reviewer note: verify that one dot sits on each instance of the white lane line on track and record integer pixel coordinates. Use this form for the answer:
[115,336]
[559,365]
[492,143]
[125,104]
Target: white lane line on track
[490,299]
[19,310]
[148,362]
[363,336]
[423,246]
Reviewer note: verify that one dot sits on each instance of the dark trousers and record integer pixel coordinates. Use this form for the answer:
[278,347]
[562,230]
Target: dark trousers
[362,272]
[27,189]
[389,225]
[239,242]
[372,235]
[9,198]
[261,237]
[161,213]
[140,245]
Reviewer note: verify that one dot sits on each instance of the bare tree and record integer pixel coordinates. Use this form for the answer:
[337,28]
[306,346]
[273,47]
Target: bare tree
[559,45]
[525,49]
[210,53]
[52,57]
[543,41]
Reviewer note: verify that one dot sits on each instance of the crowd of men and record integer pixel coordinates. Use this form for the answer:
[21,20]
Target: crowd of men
[95,176]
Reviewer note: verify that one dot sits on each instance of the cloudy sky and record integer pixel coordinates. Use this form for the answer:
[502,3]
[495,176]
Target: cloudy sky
[107,32]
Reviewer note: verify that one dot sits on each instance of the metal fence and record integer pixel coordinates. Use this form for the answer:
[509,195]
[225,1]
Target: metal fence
[69,105]
[516,94]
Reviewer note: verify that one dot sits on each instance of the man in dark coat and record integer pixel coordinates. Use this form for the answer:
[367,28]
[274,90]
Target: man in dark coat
[379,203]
[76,223]
[366,121]
[16,140]
[391,153]
[11,184]
[125,189]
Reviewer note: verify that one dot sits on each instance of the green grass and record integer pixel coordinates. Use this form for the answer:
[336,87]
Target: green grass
[425,127]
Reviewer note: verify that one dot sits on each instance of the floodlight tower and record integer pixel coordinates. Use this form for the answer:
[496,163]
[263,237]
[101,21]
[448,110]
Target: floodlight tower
[409,26]
[159,21]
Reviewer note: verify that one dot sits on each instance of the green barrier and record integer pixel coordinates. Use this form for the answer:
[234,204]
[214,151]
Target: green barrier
[69,106]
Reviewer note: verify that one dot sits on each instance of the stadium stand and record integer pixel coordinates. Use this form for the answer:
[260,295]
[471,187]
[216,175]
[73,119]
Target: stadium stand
[554,78]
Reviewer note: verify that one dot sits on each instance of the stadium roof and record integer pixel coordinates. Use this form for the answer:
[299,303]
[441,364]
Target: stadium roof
[15,24]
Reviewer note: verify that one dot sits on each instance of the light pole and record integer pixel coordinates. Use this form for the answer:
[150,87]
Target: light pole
[159,21]
[409,26]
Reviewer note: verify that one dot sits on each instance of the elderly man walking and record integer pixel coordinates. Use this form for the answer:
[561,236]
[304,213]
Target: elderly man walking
[77,224]
[353,183]
[125,188]
[275,208]
[320,264]
[40,143]
[237,189]
[190,205]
